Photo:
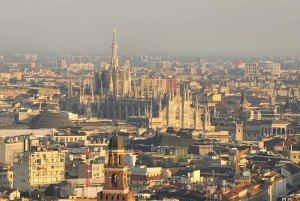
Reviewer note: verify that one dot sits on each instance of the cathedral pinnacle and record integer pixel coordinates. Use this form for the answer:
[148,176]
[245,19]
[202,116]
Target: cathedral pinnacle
[114,58]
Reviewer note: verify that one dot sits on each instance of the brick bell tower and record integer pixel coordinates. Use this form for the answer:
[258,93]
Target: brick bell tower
[115,186]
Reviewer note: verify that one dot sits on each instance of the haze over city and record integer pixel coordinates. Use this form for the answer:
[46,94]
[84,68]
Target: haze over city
[173,27]
[139,100]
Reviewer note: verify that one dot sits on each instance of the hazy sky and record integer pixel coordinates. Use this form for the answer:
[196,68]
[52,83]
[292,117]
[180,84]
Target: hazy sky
[197,27]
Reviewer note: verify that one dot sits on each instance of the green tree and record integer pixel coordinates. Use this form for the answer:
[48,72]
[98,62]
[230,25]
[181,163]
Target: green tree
[49,191]
[36,194]
[25,195]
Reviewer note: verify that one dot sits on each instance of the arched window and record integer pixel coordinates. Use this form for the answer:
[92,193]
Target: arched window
[114,180]
[177,114]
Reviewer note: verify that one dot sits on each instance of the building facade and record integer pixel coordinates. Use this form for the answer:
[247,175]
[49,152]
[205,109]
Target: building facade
[38,169]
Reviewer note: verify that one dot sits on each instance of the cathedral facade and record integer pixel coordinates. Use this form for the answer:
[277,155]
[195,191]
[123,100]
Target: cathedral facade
[112,97]
[169,110]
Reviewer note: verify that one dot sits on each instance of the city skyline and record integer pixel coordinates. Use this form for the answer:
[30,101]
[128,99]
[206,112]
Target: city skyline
[199,28]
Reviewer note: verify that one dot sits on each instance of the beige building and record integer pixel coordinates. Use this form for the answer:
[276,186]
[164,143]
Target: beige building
[276,127]
[6,176]
[215,97]
[154,83]
[11,91]
[294,154]
[159,85]
[8,148]
[38,169]
[96,170]
[143,170]
[251,69]
[81,66]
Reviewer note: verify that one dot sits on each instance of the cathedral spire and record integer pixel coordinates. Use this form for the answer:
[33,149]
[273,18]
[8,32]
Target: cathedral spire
[114,58]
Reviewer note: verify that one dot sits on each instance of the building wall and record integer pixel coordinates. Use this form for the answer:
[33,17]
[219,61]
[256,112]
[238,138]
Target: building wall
[293,179]
[148,171]
[7,179]
[12,92]
[96,170]
[38,169]
[278,190]
[130,159]
[8,150]
[295,156]
[251,69]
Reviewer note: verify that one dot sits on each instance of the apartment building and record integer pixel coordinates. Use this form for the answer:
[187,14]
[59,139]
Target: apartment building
[38,168]
[6,176]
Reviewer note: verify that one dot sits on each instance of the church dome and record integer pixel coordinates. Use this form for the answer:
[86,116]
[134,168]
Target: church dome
[116,143]
[50,119]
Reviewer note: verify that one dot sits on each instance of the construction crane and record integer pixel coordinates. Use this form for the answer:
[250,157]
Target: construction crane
[88,168]
[237,159]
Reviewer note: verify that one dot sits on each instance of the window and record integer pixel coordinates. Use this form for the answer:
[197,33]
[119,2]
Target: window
[177,114]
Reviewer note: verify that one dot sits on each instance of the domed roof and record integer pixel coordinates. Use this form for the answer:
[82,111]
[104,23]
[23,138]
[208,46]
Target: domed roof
[116,143]
[50,119]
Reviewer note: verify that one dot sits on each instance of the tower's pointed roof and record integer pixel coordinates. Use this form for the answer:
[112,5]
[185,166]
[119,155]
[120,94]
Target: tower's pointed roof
[116,143]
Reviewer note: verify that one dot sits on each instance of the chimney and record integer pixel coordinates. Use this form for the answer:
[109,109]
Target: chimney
[40,105]
[68,131]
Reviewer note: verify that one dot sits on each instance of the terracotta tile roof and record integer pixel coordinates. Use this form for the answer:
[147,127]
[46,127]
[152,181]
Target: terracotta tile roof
[174,170]
[292,168]
[194,161]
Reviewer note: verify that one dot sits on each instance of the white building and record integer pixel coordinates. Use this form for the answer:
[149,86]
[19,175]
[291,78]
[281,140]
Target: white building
[130,159]
[148,171]
[187,176]
[8,147]
[38,169]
